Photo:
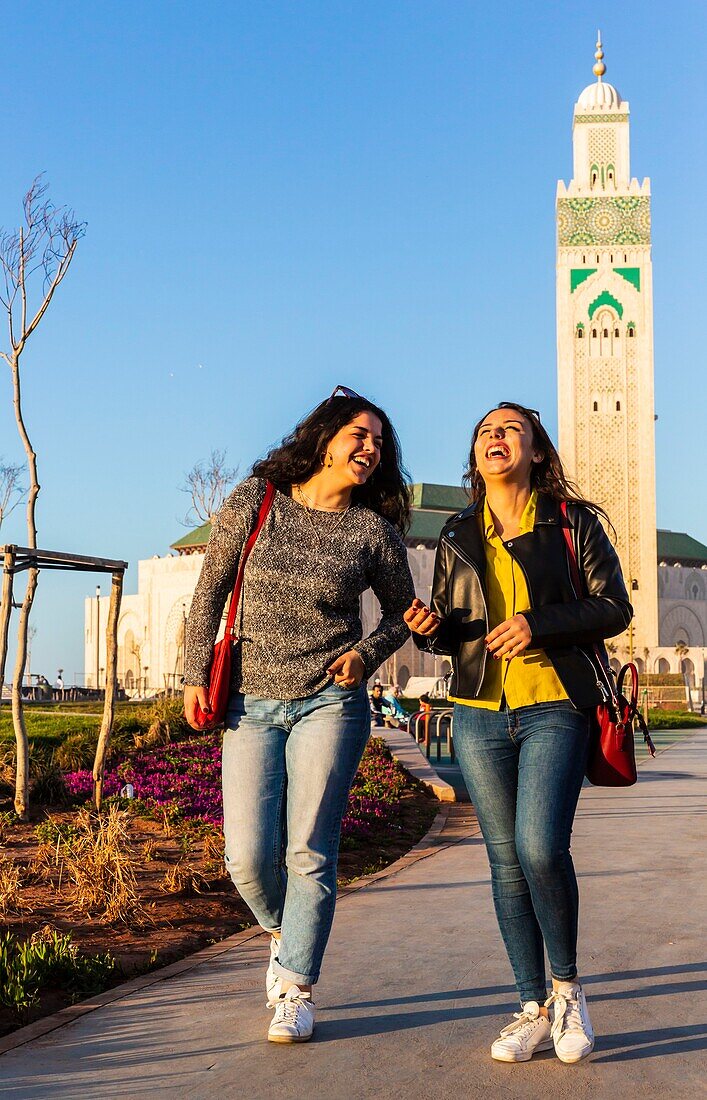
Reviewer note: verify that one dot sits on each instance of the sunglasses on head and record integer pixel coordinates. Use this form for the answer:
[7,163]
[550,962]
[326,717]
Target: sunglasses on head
[512,405]
[343,391]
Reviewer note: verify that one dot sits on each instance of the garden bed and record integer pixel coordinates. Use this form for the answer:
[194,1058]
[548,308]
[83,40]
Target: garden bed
[181,899]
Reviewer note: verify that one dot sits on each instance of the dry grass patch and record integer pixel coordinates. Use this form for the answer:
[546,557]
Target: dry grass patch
[44,865]
[183,879]
[6,822]
[11,900]
[97,868]
[212,847]
[149,850]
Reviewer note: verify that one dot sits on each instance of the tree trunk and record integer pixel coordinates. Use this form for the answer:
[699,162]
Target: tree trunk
[5,611]
[110,687]
[18,718]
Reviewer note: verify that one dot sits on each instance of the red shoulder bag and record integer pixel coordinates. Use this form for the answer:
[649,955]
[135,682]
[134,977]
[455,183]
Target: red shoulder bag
[612,753]
[220,672]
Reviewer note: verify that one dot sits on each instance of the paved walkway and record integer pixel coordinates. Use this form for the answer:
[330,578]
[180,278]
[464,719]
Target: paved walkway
[416,982]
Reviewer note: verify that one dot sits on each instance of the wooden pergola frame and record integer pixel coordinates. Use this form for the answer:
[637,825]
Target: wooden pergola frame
[18,558]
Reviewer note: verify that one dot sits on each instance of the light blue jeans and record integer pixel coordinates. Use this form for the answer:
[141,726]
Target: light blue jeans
[288,766]
[524,769]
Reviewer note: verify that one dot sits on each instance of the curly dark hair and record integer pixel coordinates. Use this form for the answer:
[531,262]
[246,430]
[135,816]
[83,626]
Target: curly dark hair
[298,457]
[547,476]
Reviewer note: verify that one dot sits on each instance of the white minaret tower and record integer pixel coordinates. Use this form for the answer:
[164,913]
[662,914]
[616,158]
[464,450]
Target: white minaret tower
[605,341]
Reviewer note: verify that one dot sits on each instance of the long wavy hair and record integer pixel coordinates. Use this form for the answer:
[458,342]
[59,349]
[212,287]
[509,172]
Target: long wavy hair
[299,456]
[547,476]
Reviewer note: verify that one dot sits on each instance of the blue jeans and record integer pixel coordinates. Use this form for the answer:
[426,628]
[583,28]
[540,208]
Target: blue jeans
[524,769]
[288,766]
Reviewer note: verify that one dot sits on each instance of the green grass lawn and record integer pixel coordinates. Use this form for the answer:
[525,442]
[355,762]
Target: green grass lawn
[49,726]
[675,720]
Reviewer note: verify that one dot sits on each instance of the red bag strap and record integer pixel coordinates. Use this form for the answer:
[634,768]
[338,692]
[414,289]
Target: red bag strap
[632,713]
[245,553]
[633,673]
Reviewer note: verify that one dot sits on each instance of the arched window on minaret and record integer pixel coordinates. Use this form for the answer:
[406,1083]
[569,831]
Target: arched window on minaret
[593,175]
[607,324]
[579,331]
[631,329]
[611,176]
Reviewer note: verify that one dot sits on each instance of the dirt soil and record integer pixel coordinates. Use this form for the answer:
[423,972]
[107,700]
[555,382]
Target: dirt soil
[177,922]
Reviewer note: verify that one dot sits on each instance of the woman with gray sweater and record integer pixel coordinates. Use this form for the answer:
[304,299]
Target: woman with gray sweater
[298,717]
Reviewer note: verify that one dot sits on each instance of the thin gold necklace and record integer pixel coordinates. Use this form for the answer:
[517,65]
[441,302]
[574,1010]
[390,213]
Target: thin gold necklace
[341,512]
[309,502]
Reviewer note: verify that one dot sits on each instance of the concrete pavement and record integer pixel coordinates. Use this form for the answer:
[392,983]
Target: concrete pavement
[416,983]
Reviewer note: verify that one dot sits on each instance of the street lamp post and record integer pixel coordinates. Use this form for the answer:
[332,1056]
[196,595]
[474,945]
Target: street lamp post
[633,585]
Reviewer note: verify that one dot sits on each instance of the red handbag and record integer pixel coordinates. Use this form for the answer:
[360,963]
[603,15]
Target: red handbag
[220,670]
[612,753]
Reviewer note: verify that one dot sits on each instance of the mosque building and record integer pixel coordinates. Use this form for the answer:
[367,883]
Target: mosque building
[606,440]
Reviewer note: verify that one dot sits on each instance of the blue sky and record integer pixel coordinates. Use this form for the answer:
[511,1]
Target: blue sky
[281,197]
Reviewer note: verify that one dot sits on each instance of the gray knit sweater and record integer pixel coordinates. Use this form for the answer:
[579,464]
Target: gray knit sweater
[301,589]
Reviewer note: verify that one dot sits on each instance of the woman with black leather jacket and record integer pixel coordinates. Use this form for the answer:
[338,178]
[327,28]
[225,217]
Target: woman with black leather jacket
[524,677]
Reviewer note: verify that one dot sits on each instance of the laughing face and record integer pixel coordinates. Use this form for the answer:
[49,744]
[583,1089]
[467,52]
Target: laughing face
[356,449]
[504,447]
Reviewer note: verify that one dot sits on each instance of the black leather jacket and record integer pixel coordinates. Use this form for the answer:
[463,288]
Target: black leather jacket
[564,626]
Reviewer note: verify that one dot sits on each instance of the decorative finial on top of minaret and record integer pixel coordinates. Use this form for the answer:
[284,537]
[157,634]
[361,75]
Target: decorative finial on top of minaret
[600,68]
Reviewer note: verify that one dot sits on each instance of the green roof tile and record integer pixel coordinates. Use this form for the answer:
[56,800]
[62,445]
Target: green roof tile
[439,498]
[679,546]
[197,537]
[426,526]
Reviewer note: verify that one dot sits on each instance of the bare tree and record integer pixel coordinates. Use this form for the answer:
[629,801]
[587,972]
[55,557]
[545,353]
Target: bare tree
[11,492]
[34,260]
[207,483]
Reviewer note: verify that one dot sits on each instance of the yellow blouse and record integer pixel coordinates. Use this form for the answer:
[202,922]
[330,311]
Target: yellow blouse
[529,678]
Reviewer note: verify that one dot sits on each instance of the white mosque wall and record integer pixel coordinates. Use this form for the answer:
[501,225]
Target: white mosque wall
[150,627]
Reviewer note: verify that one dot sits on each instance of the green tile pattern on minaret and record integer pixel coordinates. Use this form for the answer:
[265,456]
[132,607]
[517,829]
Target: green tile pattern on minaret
[606,220]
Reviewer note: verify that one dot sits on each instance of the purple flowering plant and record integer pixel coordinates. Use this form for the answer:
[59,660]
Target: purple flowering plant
[183,779]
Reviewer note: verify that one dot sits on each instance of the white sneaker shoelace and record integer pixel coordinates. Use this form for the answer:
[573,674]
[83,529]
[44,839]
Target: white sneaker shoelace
[294,1017]
[568,1016]
[523,1027]
[286,1012]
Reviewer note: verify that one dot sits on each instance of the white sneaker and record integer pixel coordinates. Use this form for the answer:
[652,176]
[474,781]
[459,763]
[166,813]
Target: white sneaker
[529,1032]
[272,980]
[572,1031]
[293,1021]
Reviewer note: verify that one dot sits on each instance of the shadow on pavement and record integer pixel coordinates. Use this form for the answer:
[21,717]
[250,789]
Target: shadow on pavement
[395,1021]
[651,1043]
